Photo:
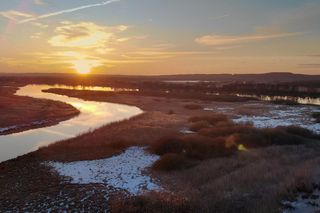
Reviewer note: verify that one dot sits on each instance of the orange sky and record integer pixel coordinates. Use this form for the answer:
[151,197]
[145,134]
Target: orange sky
[160,37]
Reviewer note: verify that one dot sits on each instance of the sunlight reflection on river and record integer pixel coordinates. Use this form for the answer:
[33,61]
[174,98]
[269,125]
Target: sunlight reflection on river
[93,115]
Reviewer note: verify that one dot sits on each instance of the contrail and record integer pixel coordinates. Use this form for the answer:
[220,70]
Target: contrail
[67,11]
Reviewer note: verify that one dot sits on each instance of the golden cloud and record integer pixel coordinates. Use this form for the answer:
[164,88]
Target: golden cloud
[84,35]
[15,15]
[219,40]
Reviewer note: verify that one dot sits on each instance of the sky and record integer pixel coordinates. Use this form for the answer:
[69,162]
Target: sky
[150,37]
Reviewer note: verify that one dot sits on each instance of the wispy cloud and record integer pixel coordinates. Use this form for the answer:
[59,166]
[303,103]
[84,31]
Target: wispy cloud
[15,15]
[38,2]
[35,18]
[219,40]
[310,66]
[220,17]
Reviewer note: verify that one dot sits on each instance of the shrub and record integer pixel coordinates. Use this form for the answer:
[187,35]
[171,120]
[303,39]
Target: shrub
[296,130]
[316,115]
[170,144]
[226,129]
[178,152]
[171,112]
[193,106]
[212,119]
[201,148]
[170,162]
[285,102]
[150,203]
[278,136]
[196,126]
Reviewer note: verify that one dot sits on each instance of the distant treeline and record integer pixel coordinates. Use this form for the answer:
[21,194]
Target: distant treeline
[156,85]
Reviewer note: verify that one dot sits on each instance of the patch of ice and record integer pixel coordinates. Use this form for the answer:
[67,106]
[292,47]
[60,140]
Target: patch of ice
[9,128]
[304,203]
[5,129]
[282,118]
[186,131]
[279,115]
[218,109]
[124,171]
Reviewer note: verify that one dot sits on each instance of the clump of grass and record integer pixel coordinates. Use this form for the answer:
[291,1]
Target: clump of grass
[178,152]
[193,106]
[218,136]
[151,202]
[247,134]
[171,112]
[169,162]
[195,147]
[285,102]
[196,126]
[212,119]
[170,144]
[316,115]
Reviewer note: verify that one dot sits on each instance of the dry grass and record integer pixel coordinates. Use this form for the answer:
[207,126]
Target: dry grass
[113,138]
[316,115]
[151,202]
[204,171]
[193,106]
[172,161]
[17,110]
[252,181]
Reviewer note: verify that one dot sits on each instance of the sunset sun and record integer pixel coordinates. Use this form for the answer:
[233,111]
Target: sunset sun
[83,66]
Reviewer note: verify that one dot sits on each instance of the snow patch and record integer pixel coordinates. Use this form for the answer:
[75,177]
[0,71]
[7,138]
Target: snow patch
[296,116]
[272,115]
[306,203]
[186,131]
[125,171]
[14,127]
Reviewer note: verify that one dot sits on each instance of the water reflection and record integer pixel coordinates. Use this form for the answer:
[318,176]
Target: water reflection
[94,88]
[93,115]
[305,100]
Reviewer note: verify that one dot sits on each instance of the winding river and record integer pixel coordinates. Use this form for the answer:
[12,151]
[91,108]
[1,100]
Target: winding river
[92,115]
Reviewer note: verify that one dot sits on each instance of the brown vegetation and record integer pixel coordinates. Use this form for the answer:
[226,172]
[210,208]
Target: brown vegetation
[252,181]
[28,113]
[217,136]
[113,138]
[151,202]
[204,171]
[316,115]
[193,106]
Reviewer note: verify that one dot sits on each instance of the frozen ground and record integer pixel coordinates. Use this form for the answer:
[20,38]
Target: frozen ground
[124,172]
[305,203]
[14,127]
[270,115]
[186,131]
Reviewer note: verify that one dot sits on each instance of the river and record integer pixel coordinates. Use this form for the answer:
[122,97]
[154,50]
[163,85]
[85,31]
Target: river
[92,115]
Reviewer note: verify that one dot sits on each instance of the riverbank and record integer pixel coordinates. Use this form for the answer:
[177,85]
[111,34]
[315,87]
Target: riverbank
[240,182]
[20,113]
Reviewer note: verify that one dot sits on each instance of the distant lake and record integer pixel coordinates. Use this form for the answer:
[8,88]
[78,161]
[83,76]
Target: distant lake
[92,115]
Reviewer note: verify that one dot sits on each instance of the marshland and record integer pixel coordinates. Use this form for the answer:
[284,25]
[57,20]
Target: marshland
[156,151]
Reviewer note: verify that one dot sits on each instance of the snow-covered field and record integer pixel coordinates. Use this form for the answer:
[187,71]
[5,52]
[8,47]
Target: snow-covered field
[271,115]
[126,171]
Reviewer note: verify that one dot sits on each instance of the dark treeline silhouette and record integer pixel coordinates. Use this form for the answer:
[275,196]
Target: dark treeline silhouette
[186,85]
